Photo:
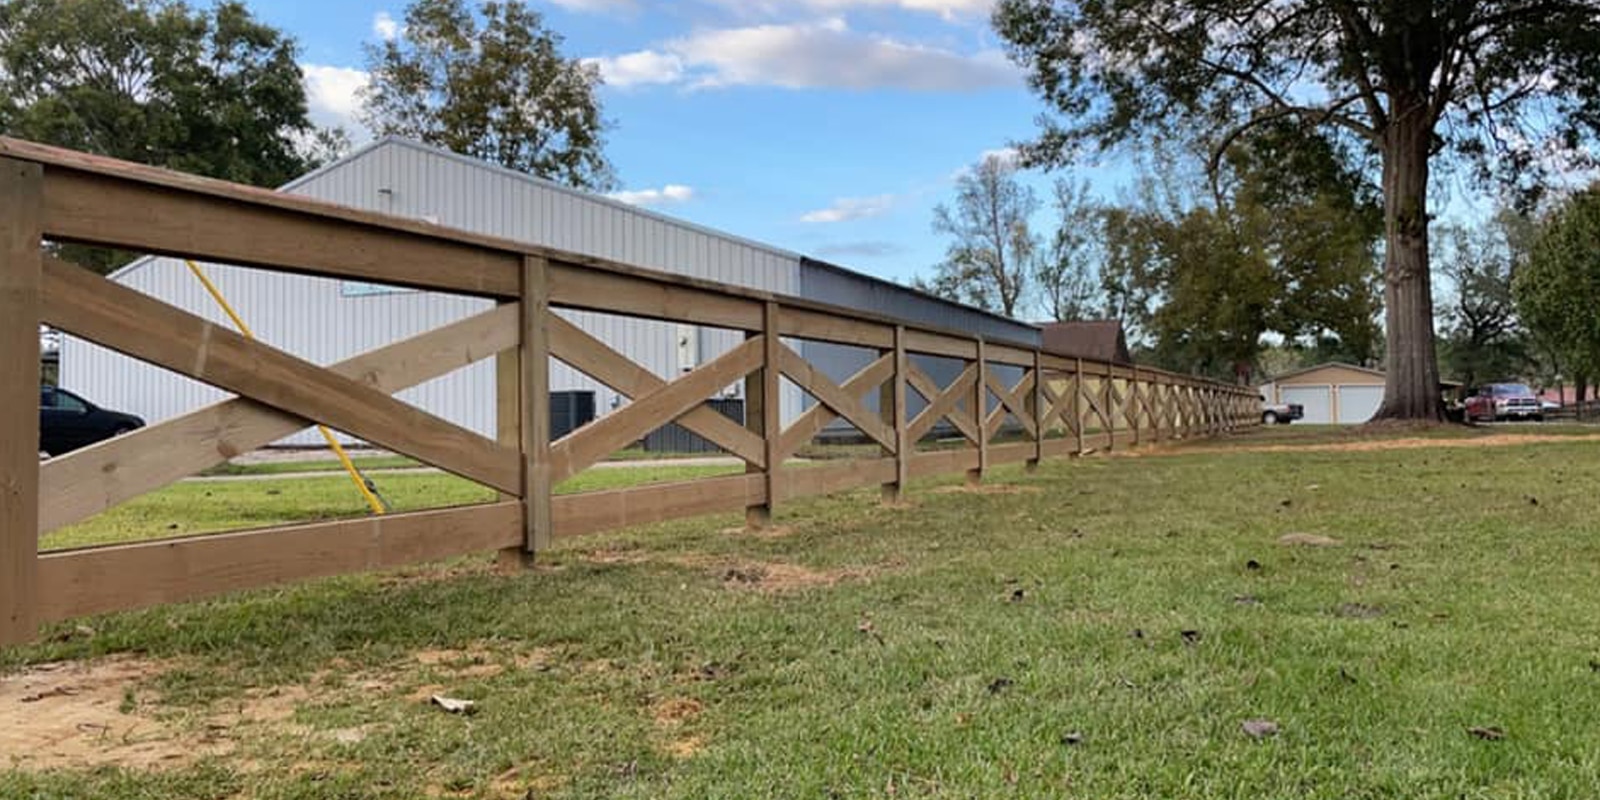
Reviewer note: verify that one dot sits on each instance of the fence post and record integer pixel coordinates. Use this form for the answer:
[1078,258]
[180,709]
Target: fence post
[1135,405]
[534,355]
[1077,402]
[892,404]
[20,193]
[508,431]
[980,417]
[764,415]
[1108,391]
[1036,408]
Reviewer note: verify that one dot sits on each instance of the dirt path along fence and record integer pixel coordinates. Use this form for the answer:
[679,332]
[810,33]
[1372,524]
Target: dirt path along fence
[1060,406]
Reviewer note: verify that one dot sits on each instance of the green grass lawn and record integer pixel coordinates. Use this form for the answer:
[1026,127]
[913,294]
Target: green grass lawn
[1027,641]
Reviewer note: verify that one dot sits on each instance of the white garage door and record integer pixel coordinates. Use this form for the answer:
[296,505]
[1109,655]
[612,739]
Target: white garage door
[1318,402]
[1357,404]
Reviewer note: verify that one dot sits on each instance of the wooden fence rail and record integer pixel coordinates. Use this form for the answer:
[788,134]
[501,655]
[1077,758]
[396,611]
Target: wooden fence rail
[1059,406]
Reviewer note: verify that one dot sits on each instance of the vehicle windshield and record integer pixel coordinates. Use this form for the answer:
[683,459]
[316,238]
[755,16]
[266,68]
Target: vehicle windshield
[1512,390]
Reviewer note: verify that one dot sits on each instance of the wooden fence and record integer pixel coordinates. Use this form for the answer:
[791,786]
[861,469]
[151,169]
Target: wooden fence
[1063,405]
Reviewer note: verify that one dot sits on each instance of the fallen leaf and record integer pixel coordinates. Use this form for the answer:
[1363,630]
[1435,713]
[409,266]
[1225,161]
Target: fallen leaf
[1259,728]
[1489,734]
[454,706]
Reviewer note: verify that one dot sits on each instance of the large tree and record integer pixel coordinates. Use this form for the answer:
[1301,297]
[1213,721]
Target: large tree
[1496,79]
[993,251]
[210,91]
[491,83]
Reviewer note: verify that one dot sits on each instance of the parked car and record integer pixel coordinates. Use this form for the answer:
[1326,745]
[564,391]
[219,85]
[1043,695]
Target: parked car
[1280,413]
[68,422]
[1504,401]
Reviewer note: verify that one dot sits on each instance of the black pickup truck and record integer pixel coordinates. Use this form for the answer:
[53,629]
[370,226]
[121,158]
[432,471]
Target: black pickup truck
[1280,413]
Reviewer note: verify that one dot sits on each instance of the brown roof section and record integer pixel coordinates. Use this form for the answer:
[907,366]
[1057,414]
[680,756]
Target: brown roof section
[1099,340]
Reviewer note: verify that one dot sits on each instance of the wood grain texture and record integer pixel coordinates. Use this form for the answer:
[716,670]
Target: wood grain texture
[101,210]
[580,350]
[814,419]
[86,482]
[980,412]
[135,324]
[628,424]
[120,577]
[944,404]
[845,404]
[591,512]
[772,358]
[21,186]
[534,394]
[846,474]
[573,286]
[804,323]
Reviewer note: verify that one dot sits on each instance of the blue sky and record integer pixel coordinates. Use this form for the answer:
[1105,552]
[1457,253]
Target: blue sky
[830,127]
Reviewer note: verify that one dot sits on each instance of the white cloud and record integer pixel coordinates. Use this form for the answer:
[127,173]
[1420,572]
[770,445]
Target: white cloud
[820,55]
[846,209]
[671,194]
[333,94]
[947,9]
[641,68]
[596,6]
[385,27]
[944,8]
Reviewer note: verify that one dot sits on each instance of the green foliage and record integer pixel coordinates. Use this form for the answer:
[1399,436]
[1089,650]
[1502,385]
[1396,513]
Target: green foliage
[1283,246]
[213,92]
[1067,276]
[1502,82]
[994,253]
[1558,291]
[492,85]
[1483,338]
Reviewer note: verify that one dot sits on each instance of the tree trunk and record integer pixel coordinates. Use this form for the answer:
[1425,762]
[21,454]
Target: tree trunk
[1411,390]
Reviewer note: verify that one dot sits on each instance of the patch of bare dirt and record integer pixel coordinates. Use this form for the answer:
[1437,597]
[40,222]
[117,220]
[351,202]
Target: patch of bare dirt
[88,714]
[686,747]
[987,488]
[674,711]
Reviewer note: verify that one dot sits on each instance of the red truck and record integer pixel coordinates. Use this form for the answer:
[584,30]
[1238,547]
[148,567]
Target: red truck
[1495,402]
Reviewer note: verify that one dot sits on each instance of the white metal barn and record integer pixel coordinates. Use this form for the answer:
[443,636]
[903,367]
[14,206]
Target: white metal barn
[325,320]
[1332,394]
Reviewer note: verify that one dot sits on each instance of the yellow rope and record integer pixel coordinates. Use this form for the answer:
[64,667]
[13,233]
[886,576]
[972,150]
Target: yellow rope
[366,491]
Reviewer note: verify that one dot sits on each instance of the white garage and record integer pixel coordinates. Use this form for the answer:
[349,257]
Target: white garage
[1332,394]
